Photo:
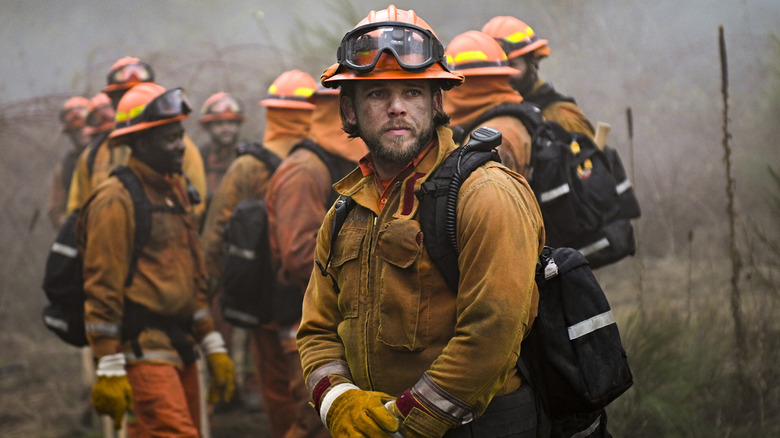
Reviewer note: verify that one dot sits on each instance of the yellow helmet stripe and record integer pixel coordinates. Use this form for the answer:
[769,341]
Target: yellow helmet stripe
[516,37]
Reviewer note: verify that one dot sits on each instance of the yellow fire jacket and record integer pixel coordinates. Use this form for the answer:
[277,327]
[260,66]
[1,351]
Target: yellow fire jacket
[170,276]
[395,324]
[109,157]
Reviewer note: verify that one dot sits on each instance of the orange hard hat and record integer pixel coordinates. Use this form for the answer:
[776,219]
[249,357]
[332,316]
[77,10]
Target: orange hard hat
[127,72]
[73,114]
[516,37]
[474,53]
[292,89]
[390,44]
[100,117]
[221,106]
[148,105]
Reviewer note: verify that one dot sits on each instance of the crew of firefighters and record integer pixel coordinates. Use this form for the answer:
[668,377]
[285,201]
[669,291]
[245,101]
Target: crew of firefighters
[380,346]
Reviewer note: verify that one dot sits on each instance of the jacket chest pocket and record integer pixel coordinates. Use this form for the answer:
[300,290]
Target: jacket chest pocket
[346,267]
[404,304]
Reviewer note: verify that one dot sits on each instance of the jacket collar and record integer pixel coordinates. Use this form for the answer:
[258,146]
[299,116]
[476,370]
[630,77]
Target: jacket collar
[364,191]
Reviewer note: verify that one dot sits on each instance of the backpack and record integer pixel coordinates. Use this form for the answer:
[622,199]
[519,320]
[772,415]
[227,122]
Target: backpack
[583,191]
[572,357]
[63,281]
[250,293]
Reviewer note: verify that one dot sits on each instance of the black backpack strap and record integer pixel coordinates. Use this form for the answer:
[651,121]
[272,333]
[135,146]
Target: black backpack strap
[439,200]
[546,95]
[261,153]
[525,112]
[142,209]
[343,206]
[94,145]
[338,166]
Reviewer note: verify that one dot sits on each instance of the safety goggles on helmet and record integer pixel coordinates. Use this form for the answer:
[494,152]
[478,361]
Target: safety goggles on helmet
[135,72]
[172,103]
[414,47]
[224,106]
[98,116]
[73,116]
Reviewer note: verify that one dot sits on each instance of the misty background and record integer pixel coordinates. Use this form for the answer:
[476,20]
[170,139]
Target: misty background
[660,59]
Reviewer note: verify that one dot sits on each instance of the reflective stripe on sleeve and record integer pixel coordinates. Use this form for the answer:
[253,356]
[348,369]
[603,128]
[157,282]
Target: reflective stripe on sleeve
[102,328]
[336,367]
[443,404]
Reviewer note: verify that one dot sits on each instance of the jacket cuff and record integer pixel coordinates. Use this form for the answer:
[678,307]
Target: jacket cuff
[427,395]
[104,347]
[202,324]
[321,380]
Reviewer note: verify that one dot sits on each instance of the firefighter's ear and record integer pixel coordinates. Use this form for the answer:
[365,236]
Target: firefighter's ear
[348,110]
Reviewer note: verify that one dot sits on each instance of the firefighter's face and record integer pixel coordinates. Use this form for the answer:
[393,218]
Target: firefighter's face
[162,148]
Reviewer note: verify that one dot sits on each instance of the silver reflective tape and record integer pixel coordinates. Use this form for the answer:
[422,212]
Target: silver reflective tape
[59,324]
[110,330]
[589,430]
[247,254]
[154,356]
[623,186]
[554,193]
[67,251]
[595,246]
[241,316]
[201,314]
[336,367]
[443,404]
[591,325]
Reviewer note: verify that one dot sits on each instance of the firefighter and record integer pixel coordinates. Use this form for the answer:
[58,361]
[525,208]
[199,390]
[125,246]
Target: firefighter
[486,98]
[125,73]
[221,117]
[73,120]
[386,347]
[525,50]
[143,329]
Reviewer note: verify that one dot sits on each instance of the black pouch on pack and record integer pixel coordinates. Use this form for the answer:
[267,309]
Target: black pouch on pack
[247,277]
[574,353]
[64,286]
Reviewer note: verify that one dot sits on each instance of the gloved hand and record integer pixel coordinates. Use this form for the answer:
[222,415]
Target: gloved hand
[223,371]
[111,393]
[418,422]
[348,411]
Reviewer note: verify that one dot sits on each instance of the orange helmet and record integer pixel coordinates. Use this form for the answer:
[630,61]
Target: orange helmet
[474,53]
[292,89]
[148,105]
[127,72]
[516,37]
[390,44]
[221,106]
[101,115]
[73,114]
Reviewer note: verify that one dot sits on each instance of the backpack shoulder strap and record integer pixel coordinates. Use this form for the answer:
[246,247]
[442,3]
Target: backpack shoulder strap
[94,145]
[525,112]
[261,153]
[338,166]
[343,206]
[439,200]
[142,210]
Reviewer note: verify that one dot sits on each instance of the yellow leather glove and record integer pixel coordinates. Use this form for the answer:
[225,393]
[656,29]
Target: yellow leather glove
[111,393]
[223,371]
[419,422]
[223,377]
[349,411]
